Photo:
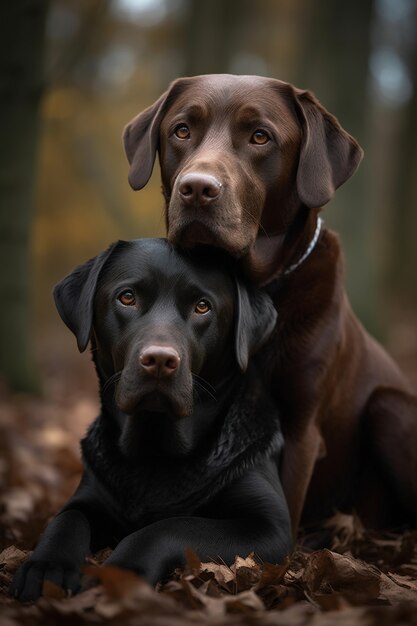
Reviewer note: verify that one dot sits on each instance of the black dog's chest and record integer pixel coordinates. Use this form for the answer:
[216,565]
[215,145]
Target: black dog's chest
[128,499]
[148,501]
[142,492]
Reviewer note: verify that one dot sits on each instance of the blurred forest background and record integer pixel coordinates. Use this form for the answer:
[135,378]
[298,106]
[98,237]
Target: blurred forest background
[74,72]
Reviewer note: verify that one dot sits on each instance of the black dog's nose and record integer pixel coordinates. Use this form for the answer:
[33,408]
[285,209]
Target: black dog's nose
[198,189]
[159,361]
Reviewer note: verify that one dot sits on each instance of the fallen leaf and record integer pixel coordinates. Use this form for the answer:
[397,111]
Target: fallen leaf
[272,574]
[239,562]
[328,571]
[193,563]
[244,602]
[347,530]
[117,582]
[403,581]
[222,573]
[11,558]
[395,591]
[51,590]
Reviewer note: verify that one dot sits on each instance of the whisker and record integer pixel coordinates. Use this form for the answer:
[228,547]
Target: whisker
[245,211]
[111,381]
[198,384]
[204,382]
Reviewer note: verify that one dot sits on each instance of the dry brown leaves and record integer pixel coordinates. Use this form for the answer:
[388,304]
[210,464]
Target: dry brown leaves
[365,578]
[39,462]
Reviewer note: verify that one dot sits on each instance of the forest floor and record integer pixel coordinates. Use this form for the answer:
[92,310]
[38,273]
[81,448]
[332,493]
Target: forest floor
[364,577]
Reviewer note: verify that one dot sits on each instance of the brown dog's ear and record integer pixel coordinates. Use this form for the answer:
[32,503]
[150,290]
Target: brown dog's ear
[329,155]
[256,317]
[74,296]
[141,136]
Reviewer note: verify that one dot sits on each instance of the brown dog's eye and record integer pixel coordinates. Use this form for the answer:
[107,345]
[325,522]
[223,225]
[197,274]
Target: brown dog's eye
[202,307]
[127,298]
[260,137]
[182,132]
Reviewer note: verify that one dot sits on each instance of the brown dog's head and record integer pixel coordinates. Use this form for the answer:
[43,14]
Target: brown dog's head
[240,157]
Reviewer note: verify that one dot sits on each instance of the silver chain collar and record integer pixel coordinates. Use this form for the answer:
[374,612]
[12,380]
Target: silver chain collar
[310,247]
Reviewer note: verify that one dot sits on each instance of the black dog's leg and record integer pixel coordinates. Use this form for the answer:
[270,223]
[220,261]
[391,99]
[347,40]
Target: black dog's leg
[57,557]
[255,520]
[63,546]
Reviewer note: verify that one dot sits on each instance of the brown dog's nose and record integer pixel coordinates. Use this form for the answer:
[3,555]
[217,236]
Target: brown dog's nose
[159,361]
[198,189]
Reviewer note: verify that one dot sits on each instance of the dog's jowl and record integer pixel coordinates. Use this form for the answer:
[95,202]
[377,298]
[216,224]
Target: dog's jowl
[184,452]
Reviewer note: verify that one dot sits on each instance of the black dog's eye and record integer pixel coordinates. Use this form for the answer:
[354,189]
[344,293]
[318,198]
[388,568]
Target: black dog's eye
[260,137]
[182,131]
[127,298]
[202,307]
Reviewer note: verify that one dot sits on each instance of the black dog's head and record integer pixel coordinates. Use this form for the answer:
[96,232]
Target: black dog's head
[168,328]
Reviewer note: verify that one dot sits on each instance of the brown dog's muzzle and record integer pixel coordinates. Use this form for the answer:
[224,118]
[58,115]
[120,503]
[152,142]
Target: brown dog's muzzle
[205,208]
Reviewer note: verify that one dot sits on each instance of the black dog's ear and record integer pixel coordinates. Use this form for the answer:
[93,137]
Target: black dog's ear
[256,317]
[74,296]
[329,155]
[141,136]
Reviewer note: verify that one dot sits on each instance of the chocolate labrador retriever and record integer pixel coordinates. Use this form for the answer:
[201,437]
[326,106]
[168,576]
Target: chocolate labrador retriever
[184,452]
[246,164]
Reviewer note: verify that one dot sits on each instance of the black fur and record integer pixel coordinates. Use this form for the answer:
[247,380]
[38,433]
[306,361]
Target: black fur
[181,456]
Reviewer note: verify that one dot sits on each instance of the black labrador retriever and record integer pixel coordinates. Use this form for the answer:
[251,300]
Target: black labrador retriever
[184,452]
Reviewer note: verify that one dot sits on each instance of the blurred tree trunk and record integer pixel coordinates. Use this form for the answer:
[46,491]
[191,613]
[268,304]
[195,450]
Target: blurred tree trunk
[209,34]
[21,52]
[335,65]
[403,264]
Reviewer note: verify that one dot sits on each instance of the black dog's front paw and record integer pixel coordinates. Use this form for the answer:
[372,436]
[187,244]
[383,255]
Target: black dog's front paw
[28,581]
